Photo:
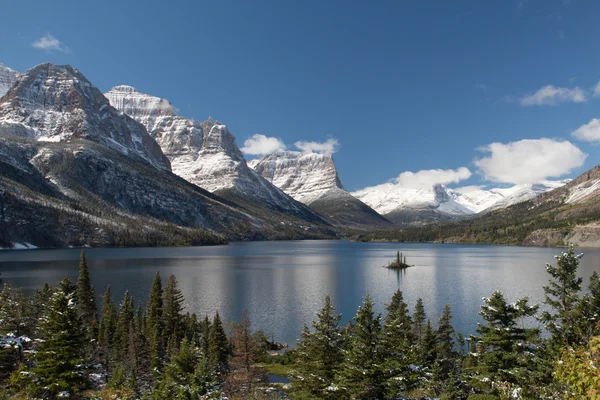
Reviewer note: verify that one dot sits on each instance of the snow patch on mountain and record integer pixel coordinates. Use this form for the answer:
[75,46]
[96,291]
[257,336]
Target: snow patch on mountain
[53,103]
[583,191]
[8,78]
[390,197]
[305,176]
[203,153]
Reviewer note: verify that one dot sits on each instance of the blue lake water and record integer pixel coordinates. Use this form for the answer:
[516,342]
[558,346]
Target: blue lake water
[283,284]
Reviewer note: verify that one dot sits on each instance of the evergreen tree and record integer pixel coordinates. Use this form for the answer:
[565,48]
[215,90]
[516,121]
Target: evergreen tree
[506,351]
[319,357]
[419,318]
[218,348]
[362,376]
[85,295]
[155,323]
[445,370]
[121,336]
[398,339]
[562,297]
[59,351]
[589,309]
[172,314]
[205,336]
[106,327]
[17,321]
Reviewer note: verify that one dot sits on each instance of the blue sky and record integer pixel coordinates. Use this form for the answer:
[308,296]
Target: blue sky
[401,85]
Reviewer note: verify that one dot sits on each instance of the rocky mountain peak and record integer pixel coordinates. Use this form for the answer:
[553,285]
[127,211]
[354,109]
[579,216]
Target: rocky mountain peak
[57,103]
[304,176]
[8,77]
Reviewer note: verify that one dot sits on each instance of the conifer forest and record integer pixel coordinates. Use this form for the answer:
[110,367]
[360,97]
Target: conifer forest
[58,343]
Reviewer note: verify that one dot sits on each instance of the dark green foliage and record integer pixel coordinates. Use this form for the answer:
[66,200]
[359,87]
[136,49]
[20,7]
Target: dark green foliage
[363,374]
[60,350]
[419,318]
[155,323]
[562,297]
[318,356]
[505,350]
[85,294]
[172,315]
[218,347]
[107,326]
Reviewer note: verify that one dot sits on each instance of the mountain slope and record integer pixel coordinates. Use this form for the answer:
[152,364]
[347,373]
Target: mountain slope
[313,180]
[406,206]
[75,170]
[570,213]
[204,153]
[54,103]
[8,78]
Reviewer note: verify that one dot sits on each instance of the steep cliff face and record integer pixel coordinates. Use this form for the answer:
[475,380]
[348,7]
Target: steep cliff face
[313,179]
[203,153]
[52,103]
[8,78]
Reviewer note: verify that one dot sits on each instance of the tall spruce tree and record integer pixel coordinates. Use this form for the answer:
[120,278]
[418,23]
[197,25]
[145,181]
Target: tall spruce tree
[362,376]
[106,327]
[562,296]
[419,318]
[121,336]
[319,357]
[86,299]
[155,324]
[398,339]
[505,350]
[60,348]
[218,348]
[172,314]
[589,309]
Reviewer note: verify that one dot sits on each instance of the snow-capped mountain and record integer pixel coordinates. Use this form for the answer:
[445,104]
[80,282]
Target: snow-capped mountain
[304,176]
[52,103]
[8,77]
[439,203]
[203,153]
[312,179]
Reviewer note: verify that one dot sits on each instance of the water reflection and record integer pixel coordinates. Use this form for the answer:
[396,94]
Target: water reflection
[283,284]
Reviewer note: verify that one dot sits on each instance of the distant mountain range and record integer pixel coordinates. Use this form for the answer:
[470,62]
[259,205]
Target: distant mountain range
[408,206]
[124,169]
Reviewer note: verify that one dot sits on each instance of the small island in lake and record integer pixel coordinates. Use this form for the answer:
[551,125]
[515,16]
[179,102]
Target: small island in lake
[399,262]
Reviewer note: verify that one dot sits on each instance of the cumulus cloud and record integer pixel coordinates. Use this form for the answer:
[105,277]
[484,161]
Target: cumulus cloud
[49,43]
[597,90]
[550,95]
[589,132]
[328,147]
[429,177]
[260,145]
[529,160]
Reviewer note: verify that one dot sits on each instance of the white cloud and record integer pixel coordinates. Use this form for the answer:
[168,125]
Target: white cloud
[260,145]
[550,95]
[597,89]
[468,189]
[529,160]
[429,177]
[328,147]
[49,43]
[589,132]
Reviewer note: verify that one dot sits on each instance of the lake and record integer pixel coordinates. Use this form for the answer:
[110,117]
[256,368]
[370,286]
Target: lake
[283,284]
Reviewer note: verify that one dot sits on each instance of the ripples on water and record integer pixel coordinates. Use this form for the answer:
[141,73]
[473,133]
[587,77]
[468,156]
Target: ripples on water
[283,284]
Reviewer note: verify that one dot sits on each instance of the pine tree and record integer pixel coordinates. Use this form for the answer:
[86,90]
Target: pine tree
[589,309]
[172,314]
[446,363]
[419,318]
[106,327]
[205,336]
[155,323]
[121,336]
[505,351]
[398,338]
[218,348]
[85,294]
[362,376]
[319,357]
[60,349]
[562,297]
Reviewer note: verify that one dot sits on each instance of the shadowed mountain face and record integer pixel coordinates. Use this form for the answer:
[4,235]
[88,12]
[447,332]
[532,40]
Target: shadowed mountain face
[75,170]
[205,154]
[8,78]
